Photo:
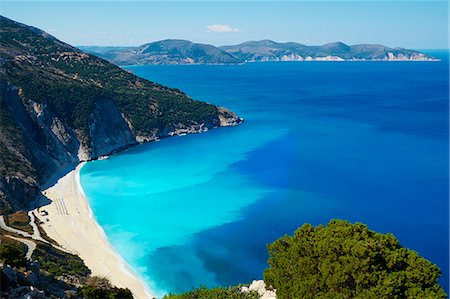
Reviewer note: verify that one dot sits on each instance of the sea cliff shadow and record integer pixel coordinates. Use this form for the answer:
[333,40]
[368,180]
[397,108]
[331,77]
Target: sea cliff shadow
[41,199]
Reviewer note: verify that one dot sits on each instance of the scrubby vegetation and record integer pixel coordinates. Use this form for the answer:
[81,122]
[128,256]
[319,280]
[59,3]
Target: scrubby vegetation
[43,233]
[101,288]
[215,293]
[19,220]
[56,275]
[12,254]
[58,263]
[343,260]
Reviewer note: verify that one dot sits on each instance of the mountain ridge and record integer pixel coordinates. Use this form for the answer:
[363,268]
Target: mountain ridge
[172,51]
[168,51]
[267,50]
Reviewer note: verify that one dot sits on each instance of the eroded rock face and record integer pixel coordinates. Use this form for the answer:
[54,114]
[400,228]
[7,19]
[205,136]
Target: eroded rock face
[108,130]
[14,192]
[228,118]
[27,292]
[32,283]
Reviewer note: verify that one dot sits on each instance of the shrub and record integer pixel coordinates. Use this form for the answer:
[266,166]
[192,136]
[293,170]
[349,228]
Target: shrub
[215,293]
[343,260]
[100,288]
[58,263]
[11,254]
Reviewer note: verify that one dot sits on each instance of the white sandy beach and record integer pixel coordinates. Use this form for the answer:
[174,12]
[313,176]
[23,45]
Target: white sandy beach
[72,225]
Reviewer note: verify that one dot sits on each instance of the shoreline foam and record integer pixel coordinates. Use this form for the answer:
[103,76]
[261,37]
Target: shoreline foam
[78,231]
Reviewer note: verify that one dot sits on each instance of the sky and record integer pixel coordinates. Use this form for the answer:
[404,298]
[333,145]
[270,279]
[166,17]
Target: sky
[409,24]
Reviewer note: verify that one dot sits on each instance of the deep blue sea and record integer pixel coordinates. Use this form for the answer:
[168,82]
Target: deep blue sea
[361,141]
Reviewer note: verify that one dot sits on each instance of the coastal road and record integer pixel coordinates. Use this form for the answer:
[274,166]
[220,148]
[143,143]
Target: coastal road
[30,244]
[12,230]
[36,233]
[35,236]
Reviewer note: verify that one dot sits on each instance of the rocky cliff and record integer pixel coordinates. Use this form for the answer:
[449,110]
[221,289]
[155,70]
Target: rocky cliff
[59,106]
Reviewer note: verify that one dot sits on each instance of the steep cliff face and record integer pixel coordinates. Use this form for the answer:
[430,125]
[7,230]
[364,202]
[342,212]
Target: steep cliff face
[108,129]
[59,106]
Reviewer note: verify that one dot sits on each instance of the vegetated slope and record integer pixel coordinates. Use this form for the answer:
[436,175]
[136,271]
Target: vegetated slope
[170,51]
[267,50]
[59,105]
[49,273]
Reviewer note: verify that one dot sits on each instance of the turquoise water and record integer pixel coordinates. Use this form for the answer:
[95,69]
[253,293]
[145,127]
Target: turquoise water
[359,141]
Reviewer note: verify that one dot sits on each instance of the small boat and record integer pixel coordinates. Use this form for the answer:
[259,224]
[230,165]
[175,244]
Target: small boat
[103,157]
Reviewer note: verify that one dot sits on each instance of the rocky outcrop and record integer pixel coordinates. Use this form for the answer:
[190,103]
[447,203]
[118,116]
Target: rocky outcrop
[260,287]
[18,284]
[31,282]
[228,118]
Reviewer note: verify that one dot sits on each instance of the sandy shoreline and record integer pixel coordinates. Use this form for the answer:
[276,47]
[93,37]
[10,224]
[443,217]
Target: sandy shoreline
[72,225]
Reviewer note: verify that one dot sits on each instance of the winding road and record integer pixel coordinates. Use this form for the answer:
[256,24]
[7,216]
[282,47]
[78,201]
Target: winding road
[35,236]
[11,229]
[36,233]
[30,244]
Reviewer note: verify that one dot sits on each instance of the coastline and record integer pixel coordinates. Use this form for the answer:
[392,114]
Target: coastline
[71,223]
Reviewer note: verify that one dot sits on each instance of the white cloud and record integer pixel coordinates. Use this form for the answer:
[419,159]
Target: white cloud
[221,28]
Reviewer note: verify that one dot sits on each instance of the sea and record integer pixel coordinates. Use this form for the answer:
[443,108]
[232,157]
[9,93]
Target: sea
[361,141]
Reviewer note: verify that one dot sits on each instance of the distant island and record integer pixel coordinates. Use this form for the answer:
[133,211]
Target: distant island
[174,51]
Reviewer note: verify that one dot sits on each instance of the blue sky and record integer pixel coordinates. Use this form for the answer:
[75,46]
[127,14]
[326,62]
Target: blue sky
[411,24]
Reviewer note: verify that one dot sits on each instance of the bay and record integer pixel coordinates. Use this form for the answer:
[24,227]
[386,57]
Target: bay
[361,141]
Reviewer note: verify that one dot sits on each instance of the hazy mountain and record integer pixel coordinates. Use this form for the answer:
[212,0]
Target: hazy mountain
[267,50]
[170,51]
